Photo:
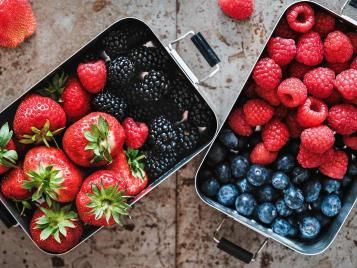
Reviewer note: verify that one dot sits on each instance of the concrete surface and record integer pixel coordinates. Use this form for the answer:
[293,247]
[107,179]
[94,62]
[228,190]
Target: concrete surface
[173,228]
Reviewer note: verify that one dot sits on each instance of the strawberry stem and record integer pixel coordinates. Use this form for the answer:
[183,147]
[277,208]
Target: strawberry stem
[135,163]
[8,158]
[55,87]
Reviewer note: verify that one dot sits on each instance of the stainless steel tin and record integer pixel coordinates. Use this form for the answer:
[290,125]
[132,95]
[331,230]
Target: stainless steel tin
[327,237]
[8,113]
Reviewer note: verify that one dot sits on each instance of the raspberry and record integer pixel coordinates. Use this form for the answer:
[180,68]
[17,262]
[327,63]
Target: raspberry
[338,67]
[346,84]
[343,118]
[319,82]
[350,141]
[309,159]
[317,139]
[298,70]
[354,64]
[353,38]
[294,128]
[280,112]
[334,98]
[268,95]
[238,123]
[292,92]
[261,156]
[257,112]
[312,113]
[324,23]
[281,50]
[300,17]
[336,166]
[267,74]
[310,49]
[283,30]
[275,135]
[92,75]
[337,47]
[136,133]
[237,9]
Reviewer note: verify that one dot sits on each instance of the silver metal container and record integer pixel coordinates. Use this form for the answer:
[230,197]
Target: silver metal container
[306,248]
[8,211]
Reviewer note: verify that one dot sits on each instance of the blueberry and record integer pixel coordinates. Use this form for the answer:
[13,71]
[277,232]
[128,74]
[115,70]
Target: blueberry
[352,169]
[210,187]
[205,174]
[331,186]
[317,203]
[267,193]
[285,163]
[293,197]
[245,204]
[254,139]
[281,227]
[223,172]
[299,175]
[324,220]
[216,154]
[266,212]
[331,205]
[257,175]
[228,139]
[301,209]
[309,227]
[311,190]
[239,166]
[280,180]
[227,194]
[282,209]
[244,186]
[346,180]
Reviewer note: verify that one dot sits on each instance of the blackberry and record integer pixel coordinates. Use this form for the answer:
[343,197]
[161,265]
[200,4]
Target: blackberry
[148,58]
[120,71]
[201,115]
[181,93]
[158,164]
[162,134]
[109,103]
[188,137]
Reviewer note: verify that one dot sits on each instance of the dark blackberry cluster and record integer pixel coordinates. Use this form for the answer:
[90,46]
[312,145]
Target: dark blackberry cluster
[162,135]
[149,58]
[201,115]
[120,71]
[182,94]
[188,137]
[156,165]
[109,103]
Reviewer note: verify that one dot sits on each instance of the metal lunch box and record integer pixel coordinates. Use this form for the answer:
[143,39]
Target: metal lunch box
[8,211]
[306,248]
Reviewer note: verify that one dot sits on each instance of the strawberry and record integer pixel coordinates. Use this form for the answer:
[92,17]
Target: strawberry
[129,169]
[101,199]
[17,22]
[38,119]
[8,154]
[92,75]
[136,133]
[93,140]
[11,185]
[55,229]
[50,173]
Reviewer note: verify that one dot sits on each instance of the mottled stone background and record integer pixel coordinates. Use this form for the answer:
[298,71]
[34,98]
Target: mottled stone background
[173,228]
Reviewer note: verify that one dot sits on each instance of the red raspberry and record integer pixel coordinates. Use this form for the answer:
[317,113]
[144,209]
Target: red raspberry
[257,112]
[294,128]
[268,95]
[353,38]
[354,64]
[280,112]
[267,74]
[283,30]
[346,84]
[275,135]
[338,67]
[292,92]
[309,159]
[317,139]
[238,123]
[281,50]
[310,49]
[300,17]
[136,133]
[334,98]
[338,47]
[312,113]
[324,23]
[261,156]
[298,70]
[92,75]
[237,9]
[350,141]
[336,166]
[319,82]
[343,118]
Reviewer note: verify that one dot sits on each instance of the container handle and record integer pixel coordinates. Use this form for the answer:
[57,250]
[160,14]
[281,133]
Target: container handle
[6,217]
[235,250]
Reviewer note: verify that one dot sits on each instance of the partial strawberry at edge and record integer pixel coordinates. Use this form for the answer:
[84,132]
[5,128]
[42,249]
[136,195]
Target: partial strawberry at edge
[8,156]
[11,185]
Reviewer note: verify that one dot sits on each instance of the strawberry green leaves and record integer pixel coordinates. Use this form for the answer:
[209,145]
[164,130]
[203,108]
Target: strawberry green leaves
[135,163]
[54,88]
[8,158]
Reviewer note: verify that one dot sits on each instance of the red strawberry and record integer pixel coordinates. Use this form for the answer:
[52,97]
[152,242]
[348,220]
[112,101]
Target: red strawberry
[238,123]
[8,154]
[128,168]
[50,173]
[92,75]
[101,199]
[94,140]
[275,135]
[237,9]
[38,119]
[11,185]
[17,22]
[56,229]
[260,155]
[336,166]
[136,133]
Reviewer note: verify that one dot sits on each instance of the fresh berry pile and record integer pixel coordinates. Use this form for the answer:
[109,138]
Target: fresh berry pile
[82,145]
[287,154]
